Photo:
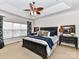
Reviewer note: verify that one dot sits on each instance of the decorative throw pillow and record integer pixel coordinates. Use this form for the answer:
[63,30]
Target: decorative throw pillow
[39,33]
[45,33]
[52,33]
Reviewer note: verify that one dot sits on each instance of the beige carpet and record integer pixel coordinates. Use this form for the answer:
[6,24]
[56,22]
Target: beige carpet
[15,51]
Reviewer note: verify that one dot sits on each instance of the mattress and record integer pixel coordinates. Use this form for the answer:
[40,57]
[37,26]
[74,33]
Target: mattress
[49,50]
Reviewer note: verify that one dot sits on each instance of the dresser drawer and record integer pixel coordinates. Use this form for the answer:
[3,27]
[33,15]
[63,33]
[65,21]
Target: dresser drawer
[68,40]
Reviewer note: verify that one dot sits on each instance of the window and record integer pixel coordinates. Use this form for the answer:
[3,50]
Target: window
[16,30]
[23,29]
[7,30]
[11,30]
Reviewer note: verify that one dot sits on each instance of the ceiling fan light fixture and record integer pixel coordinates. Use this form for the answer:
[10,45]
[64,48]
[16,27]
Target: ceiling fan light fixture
[31,12]
[35,13]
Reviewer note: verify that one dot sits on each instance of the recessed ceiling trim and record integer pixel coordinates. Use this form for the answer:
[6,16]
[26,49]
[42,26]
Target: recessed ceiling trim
[15,15]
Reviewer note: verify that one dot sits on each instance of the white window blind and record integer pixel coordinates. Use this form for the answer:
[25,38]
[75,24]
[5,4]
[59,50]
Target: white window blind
[11,30]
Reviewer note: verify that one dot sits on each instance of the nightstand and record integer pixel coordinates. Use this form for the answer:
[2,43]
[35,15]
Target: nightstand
[69,40]
[1,44]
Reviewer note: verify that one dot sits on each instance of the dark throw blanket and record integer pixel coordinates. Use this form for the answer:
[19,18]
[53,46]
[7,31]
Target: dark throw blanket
[48,40]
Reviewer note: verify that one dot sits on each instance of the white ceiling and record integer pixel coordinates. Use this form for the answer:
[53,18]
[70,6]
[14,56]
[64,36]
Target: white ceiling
[50,6]
[22,4]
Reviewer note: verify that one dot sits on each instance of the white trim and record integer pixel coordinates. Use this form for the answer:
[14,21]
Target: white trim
[12,40]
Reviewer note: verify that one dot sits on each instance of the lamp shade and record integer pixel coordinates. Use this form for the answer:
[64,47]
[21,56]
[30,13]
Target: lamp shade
[61,29]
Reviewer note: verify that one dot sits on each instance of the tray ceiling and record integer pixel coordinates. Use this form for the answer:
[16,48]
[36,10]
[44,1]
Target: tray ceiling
[17,6]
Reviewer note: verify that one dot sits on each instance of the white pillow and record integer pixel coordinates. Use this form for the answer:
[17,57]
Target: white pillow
[48,34]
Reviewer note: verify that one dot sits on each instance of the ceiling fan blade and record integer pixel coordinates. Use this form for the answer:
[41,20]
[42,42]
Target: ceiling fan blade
[40,8]
[31,6]
[37,12]
[27,10]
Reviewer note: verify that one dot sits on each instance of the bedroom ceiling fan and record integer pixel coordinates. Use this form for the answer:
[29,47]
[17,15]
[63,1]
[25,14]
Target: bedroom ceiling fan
[33,9]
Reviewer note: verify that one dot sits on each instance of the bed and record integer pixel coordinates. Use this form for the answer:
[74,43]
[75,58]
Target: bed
[40,47]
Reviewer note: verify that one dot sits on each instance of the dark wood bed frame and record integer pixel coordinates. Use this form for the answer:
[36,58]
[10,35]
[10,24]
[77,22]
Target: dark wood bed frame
[38,48]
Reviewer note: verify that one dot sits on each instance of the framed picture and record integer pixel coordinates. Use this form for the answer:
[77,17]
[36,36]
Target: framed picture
[36,29]
[68,29]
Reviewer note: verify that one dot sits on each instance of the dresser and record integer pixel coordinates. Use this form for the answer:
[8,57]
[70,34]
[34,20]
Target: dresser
[69,40]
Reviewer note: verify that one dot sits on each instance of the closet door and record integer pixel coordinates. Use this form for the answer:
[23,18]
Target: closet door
[29,28]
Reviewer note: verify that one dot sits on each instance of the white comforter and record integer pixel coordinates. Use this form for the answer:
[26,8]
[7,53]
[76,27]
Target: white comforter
[49,51]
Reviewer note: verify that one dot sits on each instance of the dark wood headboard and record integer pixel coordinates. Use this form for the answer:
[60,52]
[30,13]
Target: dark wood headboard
[50,29]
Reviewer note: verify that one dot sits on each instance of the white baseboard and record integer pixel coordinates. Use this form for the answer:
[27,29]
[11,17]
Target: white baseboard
[12,40]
